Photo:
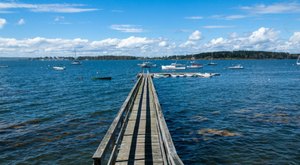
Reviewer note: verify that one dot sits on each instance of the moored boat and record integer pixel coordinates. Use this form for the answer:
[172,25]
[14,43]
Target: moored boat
[173,66]
[239,66]
[195,66]
[298,61]
[59,67]
[147,64]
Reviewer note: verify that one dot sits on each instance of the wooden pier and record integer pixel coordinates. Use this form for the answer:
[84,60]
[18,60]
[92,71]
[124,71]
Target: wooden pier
[138,134]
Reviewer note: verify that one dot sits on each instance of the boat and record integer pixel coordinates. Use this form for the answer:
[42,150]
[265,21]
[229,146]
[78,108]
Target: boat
[173,66]
[239,66]
[298,61]
[59,68]
[75,62]
[147,64]
[211,62]
[101,78]
[194,65]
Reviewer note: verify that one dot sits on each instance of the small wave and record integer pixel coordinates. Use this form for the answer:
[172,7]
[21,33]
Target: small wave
[29,122]
[209,132]
[200,118]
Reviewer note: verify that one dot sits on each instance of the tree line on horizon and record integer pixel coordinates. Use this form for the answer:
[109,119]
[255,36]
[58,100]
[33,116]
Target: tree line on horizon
[205,55]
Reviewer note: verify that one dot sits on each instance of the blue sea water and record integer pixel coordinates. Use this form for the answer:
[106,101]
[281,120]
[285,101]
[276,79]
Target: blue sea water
[249,116]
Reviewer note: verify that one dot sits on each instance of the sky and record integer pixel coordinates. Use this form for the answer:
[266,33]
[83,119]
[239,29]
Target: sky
[148,28]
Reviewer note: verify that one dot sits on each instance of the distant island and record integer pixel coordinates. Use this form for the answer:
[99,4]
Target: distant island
[241,54]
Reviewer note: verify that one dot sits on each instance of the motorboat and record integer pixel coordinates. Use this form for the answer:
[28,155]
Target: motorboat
[194,66]
[212,63]
[298,61]
[147,64]
[239,66]
[173,66]
[59,68]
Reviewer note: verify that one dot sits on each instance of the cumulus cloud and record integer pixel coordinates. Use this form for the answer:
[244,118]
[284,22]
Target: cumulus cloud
[292,7]
[263,35]
[2,22]
[163,44]
[21,21]
[260,39]
[195,36]
[134,42]
[55,8]
[127,28]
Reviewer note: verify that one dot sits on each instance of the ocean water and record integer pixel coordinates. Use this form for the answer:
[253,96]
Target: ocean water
[249,116]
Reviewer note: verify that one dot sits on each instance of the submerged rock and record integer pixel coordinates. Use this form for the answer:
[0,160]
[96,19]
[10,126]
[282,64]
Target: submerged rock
[208,132]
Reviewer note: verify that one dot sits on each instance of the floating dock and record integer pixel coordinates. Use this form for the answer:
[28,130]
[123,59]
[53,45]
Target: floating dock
[139,133]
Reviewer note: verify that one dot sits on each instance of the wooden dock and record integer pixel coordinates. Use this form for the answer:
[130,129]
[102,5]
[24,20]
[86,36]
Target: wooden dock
[138,134]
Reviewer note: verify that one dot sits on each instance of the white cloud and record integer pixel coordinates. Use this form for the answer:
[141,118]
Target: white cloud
[260,39]
[263,38]
[2,22]
[273,8]
[263,35]
[295,38]
[195,36]
[234,17]
[55,8]
[217,27]
[194,17]
[21,22]
[192,40]
[127,28]
[163,44]
[188,43]
[134,42]
[228,17]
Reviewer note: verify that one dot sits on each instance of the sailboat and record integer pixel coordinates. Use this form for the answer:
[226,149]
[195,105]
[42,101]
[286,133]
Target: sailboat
[75,62]
[211,62]
[298,61]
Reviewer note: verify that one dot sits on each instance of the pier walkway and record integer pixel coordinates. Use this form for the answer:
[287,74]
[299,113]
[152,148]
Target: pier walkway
[138,134]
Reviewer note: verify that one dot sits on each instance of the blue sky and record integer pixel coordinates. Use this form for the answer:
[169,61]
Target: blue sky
[146,27]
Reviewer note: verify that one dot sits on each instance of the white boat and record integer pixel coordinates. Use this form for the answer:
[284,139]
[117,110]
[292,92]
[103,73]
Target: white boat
[59,68]
[211,62]
[239,66]
[147,64]
[298,61]
[194,66]
[173,66]
[76,62]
